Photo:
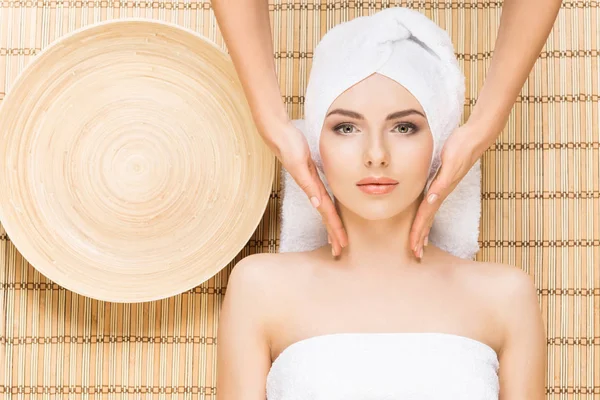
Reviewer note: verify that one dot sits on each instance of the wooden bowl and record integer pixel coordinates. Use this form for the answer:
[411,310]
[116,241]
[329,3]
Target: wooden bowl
[131,166]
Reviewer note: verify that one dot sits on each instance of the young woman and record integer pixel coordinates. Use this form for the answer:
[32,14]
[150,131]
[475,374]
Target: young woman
[376,322]
[249,41]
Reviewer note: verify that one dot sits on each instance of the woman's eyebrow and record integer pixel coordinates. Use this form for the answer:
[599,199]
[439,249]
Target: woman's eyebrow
[400,114]
[355,115]
[346,113]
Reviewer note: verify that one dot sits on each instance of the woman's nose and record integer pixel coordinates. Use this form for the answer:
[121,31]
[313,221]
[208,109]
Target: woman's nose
[376,155]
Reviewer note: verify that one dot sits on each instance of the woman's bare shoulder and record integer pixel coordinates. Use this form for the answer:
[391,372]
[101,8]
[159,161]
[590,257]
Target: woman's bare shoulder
[263,286]
[503,279]
[511,284]
[272,265]
[268,273]
[509,290]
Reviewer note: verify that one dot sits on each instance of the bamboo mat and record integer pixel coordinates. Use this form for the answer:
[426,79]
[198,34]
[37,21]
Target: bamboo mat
[541,207]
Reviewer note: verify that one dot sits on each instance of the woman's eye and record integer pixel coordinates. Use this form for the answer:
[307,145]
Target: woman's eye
[406,128]
[345,129]
[348,129]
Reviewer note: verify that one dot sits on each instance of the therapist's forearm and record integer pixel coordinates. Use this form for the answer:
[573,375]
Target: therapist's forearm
[524,28]
[246,28]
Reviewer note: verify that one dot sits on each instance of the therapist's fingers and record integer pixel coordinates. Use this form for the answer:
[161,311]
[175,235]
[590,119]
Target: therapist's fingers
[438,191]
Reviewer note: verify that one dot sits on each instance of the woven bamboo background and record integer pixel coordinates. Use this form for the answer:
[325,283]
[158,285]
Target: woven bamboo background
[541,207]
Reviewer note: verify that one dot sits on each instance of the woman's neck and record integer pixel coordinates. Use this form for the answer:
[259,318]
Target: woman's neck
[382,242]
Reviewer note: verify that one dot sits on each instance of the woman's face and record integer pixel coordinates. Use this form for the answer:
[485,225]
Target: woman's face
[376,129]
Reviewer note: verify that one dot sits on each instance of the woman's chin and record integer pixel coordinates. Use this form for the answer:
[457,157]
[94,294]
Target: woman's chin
[378,212]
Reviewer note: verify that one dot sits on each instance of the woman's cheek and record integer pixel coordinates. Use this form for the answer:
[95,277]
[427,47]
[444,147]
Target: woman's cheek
[330,152]
[331,167]
[337,172]
[417,154]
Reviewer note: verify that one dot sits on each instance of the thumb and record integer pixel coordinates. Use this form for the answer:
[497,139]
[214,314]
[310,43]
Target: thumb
[440,186]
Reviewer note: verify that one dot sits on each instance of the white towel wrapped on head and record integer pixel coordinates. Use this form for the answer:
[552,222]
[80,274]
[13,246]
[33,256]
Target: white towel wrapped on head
[409,48]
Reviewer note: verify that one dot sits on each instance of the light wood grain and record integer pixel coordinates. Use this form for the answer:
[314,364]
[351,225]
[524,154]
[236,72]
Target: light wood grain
[132,170]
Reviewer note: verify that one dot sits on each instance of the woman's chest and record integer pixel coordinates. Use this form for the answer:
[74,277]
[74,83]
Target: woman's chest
[377,306]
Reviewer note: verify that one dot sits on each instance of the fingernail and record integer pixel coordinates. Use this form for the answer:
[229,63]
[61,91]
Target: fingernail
[314,201]
[432,198]
[333,251]
[426,240]
[421,253]
[328,239]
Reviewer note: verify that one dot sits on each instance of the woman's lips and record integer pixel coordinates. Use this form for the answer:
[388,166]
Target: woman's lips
[377,188]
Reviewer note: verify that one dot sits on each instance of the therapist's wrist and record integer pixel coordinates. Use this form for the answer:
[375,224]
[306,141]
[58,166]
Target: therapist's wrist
[485,132]
[274,130]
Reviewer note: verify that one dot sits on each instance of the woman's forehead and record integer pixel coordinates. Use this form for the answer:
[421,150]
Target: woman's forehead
[376,94]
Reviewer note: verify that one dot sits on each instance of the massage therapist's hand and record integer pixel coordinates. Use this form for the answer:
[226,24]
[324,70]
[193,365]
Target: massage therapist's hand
[459,154]
[250,45]
[519,42]
[294,155]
